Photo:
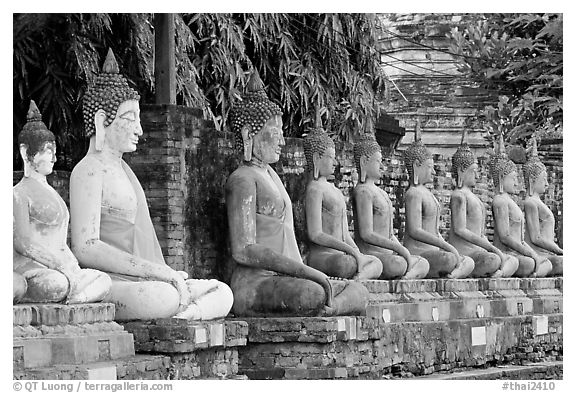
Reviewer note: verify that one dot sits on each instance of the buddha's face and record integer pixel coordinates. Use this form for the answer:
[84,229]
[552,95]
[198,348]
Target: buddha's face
[44,160]
[540,184]
[470,175]
[510,183]
[326,163]
[122,135]
[373,166]
[424,171]
[267,144]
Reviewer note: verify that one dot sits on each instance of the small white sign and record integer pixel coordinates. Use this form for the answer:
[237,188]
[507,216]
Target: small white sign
[479,335]
[386,315]
[217,334]
[540,324]
[200,335]
[480,311]
[351,328]
[100,373]
[341,325]
[435,313]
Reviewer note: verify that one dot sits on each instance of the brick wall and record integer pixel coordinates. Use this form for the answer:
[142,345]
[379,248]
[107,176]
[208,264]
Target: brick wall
[183,165]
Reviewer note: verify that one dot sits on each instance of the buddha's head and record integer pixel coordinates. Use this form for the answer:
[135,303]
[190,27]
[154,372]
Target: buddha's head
[464,166]
[257,124]
[418,160]
[37,144]
[503,170]
[535,175]
[320,153]
[111,110]
[368,157]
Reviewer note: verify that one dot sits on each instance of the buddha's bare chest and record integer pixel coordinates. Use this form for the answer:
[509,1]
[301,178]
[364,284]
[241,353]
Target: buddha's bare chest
[117,190]
[382,205]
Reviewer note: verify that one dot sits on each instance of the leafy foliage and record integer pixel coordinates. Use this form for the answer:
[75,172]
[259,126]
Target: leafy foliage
[519,55]
[314,65]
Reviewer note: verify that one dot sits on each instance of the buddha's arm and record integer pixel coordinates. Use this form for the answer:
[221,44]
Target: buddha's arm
[85,209]
[458,213]
[241,208]
[365,222]
[500,212]
[25,244]
[533,227]
[314,225]
[414,224]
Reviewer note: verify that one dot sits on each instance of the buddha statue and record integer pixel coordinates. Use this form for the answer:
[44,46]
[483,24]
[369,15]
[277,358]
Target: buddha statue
[269,277]
[422,236]
[509,219]
[374,216]
[468,220]
[332,249]
[539,218]
[111,226]
[45,270]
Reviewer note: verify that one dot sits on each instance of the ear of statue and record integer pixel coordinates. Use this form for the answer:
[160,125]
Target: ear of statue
[99,119]
[530,188]
[247,142]
[415,166]
[315,158]
[363,160]
[23,150]
[459,181]
[500,186]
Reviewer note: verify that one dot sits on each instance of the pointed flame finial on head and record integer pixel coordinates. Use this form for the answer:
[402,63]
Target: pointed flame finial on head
[464,140]
[534,150]
[254,82]
[418,130]
[110,65]
[33,113]
[499,147]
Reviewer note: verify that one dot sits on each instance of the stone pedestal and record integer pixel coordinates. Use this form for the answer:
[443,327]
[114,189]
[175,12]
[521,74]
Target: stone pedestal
[46,335]
[195,349]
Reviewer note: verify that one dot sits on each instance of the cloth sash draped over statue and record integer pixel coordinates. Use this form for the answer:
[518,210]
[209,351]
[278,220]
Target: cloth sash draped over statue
[132,232]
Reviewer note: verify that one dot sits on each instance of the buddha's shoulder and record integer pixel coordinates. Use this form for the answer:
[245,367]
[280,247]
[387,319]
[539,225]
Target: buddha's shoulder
[87,166]
[242,175]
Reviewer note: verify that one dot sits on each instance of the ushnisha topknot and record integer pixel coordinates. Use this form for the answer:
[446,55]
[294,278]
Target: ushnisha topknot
[253,109]
[533,167]
[416,152]
[463,157]
[500,165]
[34,134]
[365,146]
[109,90]
[317,141]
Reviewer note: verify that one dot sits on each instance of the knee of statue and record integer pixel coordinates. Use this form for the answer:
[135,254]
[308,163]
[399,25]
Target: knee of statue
[46,285]
[19,287]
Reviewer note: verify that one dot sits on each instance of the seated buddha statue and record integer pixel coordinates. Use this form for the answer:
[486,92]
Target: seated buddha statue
[269,277]
[539,218]
[374,216]
[509,219]
[111,226]
[468,220]
[332,249]
[45,270]
[422,236]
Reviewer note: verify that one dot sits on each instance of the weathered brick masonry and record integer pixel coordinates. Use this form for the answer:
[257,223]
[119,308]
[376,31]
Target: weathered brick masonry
[183,165]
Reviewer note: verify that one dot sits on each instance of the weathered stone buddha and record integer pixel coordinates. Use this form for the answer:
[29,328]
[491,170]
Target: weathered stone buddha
[111,226]
[422,236]
[509,219]
[332,249]
[374,216]
[539,218]
[269,277]
[468,220]
[45,270]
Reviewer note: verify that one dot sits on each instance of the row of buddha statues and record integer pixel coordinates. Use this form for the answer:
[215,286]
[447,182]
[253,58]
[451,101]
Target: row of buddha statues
[115,255]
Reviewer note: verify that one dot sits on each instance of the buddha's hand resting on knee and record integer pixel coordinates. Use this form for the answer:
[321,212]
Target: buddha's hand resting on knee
[325,283]
[71,272]
[179,283]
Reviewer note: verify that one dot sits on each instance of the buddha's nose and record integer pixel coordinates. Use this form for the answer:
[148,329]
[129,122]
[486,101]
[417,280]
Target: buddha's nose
[139,130]
[282,141]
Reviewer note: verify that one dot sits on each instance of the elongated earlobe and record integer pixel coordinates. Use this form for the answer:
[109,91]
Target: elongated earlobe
[459,181]
[99,118]
[315,171]
[23,150]
[363,169]
[247,143]
[415,174]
